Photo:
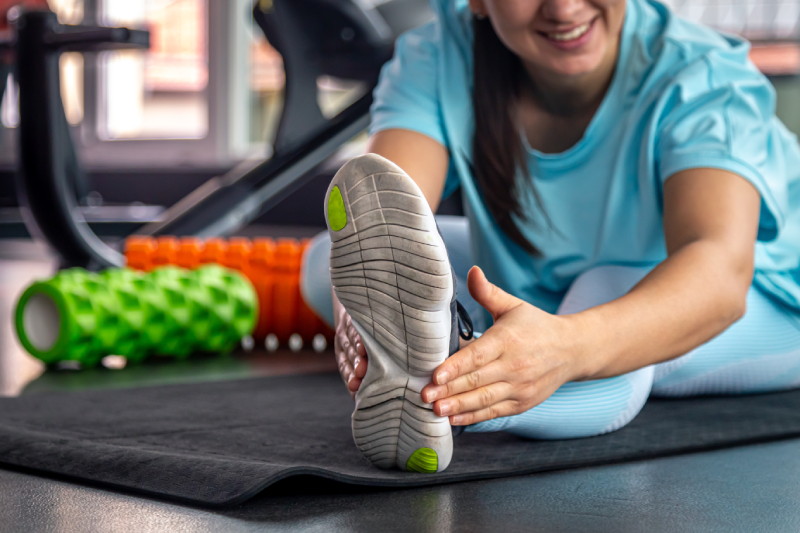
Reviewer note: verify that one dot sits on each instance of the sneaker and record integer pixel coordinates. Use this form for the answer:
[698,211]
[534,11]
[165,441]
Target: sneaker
[389,268]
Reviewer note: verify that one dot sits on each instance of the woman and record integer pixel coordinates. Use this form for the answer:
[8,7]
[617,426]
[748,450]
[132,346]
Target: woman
[633,206]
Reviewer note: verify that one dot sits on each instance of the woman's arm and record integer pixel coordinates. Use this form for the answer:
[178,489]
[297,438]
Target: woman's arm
[422,158]
[425,161]
[710,224]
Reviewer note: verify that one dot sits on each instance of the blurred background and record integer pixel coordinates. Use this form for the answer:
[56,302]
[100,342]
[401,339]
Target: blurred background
[209,91]
[209,75]
[152,126]
[205,96]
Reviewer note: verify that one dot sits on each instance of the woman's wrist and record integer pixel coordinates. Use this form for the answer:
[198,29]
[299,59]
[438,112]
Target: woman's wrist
[586,334]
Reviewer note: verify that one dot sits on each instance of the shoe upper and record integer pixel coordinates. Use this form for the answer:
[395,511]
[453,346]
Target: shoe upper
[459,318]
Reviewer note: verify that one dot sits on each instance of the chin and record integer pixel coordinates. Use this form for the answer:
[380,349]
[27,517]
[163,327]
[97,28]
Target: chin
[576,66]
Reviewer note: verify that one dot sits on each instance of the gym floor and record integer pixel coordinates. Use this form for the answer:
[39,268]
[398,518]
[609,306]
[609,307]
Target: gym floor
[753,488]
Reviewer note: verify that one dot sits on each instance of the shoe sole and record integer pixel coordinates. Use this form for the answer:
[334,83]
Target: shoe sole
[389,269]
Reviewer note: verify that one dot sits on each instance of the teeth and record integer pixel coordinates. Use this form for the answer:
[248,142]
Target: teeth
[570,35]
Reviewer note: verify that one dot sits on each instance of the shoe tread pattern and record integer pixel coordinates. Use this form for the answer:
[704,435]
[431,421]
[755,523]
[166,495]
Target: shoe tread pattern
[389,269]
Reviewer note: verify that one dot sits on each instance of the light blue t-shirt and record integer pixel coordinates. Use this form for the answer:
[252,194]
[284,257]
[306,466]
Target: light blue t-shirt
[683,96]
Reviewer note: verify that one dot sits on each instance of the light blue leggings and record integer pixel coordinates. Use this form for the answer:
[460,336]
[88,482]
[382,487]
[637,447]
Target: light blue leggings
[759,353]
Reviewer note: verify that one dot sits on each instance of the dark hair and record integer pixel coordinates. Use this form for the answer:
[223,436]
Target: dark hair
[499,162]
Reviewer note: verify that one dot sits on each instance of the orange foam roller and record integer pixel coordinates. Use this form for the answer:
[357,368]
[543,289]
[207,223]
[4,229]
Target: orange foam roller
[139,252]
[165,252]
[188,254]
[272,267]
[286,293]
[262,258]
[237,255]
[213,251]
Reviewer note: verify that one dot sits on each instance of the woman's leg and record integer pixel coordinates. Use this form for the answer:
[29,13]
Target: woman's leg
[315,277]
[587,408]
[759,353]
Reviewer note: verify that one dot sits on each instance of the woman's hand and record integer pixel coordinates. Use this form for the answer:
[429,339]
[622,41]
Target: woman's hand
[351,356]
[517,364]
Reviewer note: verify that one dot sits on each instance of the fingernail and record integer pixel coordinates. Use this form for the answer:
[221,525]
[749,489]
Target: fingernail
[432,395]
[456,420]
[442,377]
[444,408]
[357,362]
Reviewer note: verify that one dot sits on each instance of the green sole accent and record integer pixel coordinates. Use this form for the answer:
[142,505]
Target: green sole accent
[424,461]
[337,216]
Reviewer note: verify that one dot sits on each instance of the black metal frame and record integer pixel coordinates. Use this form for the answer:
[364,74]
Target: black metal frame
[304,138]
[50,174]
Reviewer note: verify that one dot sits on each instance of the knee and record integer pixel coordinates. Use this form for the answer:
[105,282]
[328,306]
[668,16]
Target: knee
[315,277]
[640,383]
[600,285]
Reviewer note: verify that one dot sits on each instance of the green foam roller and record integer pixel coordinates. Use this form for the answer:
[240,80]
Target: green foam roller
[207,321]
[56,319]
[159,322]
[78,315]
[233,307]
[130,341]
[112,328]
[179,311]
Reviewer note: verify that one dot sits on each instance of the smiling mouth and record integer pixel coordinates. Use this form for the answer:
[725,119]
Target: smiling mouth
[571,35]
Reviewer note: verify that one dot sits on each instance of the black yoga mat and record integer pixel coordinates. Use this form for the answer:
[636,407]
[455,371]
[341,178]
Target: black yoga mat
[221,443]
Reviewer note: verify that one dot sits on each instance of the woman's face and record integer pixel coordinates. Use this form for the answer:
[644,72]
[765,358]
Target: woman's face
[562,37]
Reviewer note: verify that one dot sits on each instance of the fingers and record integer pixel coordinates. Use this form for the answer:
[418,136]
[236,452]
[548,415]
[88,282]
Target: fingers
[477,355]
[491,373]
[496,400]
[494,299]
[498,410]
[474,400]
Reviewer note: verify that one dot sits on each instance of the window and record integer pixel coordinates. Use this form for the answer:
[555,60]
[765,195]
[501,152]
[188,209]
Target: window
[159,93]
[267,81]
[184,102]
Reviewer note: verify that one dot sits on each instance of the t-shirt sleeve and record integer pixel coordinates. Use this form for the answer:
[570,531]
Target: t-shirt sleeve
[406,96]
[719,112]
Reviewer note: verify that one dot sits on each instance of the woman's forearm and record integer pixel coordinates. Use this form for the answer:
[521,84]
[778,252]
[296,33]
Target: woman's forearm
[688,299]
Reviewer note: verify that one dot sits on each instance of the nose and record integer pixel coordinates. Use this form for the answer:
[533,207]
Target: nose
[562,11]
